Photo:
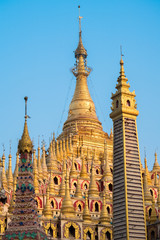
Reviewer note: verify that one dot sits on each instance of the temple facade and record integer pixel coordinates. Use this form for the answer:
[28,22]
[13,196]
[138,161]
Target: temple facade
[73,177]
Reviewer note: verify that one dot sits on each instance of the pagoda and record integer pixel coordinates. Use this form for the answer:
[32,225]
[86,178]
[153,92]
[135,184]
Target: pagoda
[24,221]
[128,201]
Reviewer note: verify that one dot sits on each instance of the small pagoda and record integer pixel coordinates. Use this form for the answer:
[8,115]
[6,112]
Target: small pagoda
[24,222]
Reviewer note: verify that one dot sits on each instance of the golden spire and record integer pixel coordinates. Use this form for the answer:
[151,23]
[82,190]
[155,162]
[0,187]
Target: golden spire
[44,166]
[153,217]
[39,164]
[73,172]
[67,204]
[86,213]
[83,173]
[93,189]
[25,144]
[62,186]
[35,172]
[10,175]
[47,212]
[156,166]
[107,172]
[119,103]
[81,106]
[147,172]
[15,172]
[104,218]
[147,195]
[78,189]
[4,179]
[52,163]
[51,185]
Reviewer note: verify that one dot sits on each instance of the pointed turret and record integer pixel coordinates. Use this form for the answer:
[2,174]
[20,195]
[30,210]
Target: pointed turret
[104,218]
[83,173]
[107,175]
[52,162]
[86,213]
[67,205]
[47,209]
[147,172]
[24,221]
[35,172]
[51,185]
[78,189]
[62,186]
[4,179]
[44,166]
[156,166]
[40,174]
[153,217]
[10,175]
[73,172]
[147,194]
[93,189]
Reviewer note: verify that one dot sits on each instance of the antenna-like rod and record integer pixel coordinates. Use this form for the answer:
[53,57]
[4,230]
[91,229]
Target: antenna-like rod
[79,20]
[121,51]
[26,98]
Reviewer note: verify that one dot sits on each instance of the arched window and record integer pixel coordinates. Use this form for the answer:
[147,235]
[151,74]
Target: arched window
[88,235]
[50,232]
[117,104]
[75,164]
[108,236]
[151,192]
[52,204]
[55,180]
[110,187]
[75,184]
[153,237]
[79,208]
[85,186]
[97,171]
[36,203]
[108,210]
[150,212]
[71,232]
[96,207]
[128,103]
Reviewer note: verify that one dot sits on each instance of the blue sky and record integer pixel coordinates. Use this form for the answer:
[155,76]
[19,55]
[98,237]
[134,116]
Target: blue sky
[36,54]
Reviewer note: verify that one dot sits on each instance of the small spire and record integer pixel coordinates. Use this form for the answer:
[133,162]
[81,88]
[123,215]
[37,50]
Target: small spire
[158,199]
[156,166]
[35,172]
[47,209]
[86,213]
[51,185]
[25,144]
[107,173]
[4,179]
[10,175]
[78,189]
[104,218]
[40,174]
[93,189]
[83,173]
[73,172]
[44,166]
[12,203]
[153,217]
[67,204]
[147,195]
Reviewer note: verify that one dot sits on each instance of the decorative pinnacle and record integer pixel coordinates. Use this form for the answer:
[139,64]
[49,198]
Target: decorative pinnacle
[25,144]
[26,98]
